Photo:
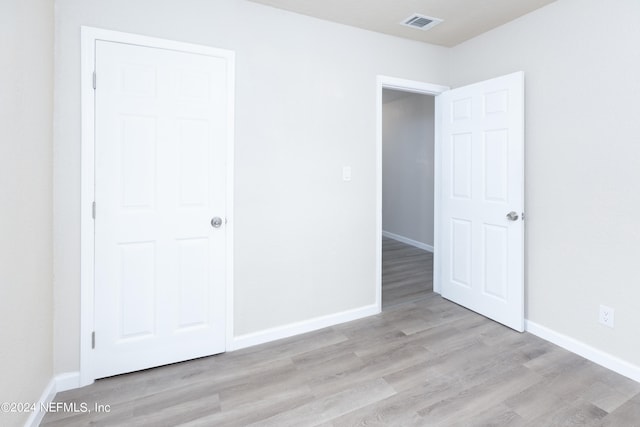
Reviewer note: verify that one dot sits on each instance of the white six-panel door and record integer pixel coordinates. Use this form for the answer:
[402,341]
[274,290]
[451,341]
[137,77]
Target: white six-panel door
[482,179]
[160,151]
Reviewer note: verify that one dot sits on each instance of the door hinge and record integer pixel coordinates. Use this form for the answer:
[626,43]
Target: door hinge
[93,339]
[94,80]
[523,216]
[93,210]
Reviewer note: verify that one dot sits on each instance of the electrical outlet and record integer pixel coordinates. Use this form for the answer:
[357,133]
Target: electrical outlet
[607,315]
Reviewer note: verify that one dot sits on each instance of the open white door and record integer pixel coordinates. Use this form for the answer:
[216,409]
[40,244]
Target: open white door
[482,199]
[161,133]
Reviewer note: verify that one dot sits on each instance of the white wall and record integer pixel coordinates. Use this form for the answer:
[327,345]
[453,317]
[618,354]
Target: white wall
[26,96]
[305,107]
[407,165]
[582,65]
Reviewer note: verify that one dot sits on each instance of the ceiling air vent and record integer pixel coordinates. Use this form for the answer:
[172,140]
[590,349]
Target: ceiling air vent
[421,22]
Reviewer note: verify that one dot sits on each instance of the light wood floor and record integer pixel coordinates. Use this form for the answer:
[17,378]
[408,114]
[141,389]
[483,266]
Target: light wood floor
[423,361]
[407,273]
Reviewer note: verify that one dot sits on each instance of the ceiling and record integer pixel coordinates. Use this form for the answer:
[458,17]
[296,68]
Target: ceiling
[463,19]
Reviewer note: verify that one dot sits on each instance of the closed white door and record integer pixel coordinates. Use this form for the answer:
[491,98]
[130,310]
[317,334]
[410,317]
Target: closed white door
[160,150]
[482,204]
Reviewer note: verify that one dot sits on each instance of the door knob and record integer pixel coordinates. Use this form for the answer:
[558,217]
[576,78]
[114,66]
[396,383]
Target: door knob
[512,216]
[216,222]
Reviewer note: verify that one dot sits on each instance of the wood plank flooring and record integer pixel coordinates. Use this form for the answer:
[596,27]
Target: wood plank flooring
[407,273]
[424,361]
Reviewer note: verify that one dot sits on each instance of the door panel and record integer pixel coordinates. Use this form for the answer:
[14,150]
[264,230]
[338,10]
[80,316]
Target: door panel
[160,176]
[483,180]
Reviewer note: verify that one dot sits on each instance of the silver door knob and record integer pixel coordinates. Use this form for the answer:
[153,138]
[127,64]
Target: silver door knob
[512,216]
[216,222]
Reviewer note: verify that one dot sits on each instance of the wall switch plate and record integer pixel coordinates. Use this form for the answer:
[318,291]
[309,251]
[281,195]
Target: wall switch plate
[346,173]
[607,316]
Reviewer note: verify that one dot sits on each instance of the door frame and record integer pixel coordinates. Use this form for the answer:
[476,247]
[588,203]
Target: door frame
[89,37]
[386,82]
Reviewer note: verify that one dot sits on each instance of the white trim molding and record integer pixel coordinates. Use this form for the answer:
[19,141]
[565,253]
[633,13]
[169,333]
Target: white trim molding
[600,357]
[408,241]
[67,381]
[297,328]
[47,397]
[89,37]
[59,383]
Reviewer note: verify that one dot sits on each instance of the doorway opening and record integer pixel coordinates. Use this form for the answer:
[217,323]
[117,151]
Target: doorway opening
[399,245]
[408,159]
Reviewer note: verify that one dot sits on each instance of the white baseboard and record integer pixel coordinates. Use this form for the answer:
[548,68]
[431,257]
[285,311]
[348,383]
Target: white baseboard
[47,397]
[408,241]
[67,381]
[590,353]
[305,326]
[61,382]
